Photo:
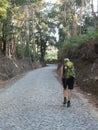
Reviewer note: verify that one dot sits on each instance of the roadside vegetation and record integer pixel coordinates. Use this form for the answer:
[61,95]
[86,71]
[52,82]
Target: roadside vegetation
[33,32]
[73,43]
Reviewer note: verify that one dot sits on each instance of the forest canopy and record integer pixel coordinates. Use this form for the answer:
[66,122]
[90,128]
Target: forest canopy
[29,27]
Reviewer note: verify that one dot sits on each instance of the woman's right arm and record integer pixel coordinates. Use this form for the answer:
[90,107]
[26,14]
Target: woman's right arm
[61,73]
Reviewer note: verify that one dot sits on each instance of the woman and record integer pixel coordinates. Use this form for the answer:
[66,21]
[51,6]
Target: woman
[67,78]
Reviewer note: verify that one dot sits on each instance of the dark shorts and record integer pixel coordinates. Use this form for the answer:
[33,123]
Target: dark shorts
[68,83]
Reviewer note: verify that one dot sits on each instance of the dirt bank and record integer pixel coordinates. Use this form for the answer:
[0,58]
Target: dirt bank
[85,58]
[86,63]
[9,67]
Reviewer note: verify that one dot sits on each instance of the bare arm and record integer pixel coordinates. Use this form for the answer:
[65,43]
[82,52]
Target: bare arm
[61,73]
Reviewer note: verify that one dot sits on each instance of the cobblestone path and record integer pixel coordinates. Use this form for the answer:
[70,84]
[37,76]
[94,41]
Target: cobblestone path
[35,103]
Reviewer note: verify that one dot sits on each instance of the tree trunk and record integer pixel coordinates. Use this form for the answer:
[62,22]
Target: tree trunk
[43,50]
[4,38]
[27,51]
[94,15]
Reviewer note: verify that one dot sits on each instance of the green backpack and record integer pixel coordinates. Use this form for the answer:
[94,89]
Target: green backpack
[70,71]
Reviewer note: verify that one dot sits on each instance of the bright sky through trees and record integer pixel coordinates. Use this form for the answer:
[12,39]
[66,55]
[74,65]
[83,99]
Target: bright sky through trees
[52,1]
[95,3]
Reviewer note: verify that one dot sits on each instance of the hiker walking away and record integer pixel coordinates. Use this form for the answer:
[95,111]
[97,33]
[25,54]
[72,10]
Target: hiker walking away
[67,77]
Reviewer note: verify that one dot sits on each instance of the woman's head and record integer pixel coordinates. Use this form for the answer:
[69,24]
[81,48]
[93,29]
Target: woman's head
[66,59]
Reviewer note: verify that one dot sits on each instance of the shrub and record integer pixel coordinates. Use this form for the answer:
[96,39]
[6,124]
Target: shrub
[20,51]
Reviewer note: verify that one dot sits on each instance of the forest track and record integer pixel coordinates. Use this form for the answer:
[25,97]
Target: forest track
[34,102]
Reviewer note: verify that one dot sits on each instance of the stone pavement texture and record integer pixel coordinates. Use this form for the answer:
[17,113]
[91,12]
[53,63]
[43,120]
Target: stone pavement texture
[34,102]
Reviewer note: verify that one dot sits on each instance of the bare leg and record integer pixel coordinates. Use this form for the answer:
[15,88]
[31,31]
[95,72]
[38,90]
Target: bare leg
[64,92]
[69,94]
[69,97]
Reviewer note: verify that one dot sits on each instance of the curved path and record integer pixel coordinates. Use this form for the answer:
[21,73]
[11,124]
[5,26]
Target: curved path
[34,102]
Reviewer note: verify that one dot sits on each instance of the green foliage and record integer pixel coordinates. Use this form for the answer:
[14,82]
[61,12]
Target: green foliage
[40,23]
[78,40]
[34,55]
[21,2]
[78,2]
[20,51]
[3,8]
[51,56]
[96,34]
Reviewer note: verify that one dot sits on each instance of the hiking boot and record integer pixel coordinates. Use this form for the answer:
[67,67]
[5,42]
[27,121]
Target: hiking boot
[64,100]
[68,104]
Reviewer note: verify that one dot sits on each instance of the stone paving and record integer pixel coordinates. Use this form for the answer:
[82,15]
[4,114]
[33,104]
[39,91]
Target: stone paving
[35,103]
